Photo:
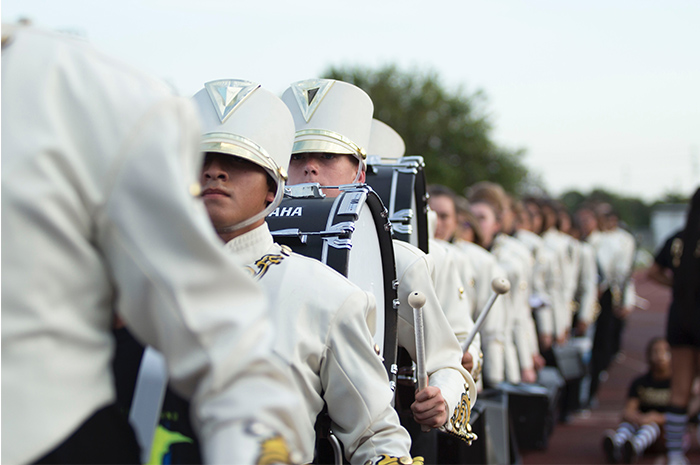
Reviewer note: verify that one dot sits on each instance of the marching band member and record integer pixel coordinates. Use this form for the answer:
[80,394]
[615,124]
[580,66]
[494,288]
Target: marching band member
[485,267]
[619,276]
[547,275]
[333,123]
[560,292]
[586,295]
[528,330]
[386,144]
[442,203]
[615,250]
[98,211]
[488,205]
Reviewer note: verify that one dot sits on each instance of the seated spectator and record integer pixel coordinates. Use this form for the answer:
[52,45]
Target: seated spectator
[643,418]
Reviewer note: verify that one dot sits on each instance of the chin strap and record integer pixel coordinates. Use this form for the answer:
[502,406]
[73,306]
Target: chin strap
[360,169]
[255,218]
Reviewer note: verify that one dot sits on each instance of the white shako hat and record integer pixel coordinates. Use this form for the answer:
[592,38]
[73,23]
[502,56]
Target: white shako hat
[385,142]
[242,119]
[330,117]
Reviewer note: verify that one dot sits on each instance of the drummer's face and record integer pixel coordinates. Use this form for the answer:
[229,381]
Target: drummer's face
[327,169]
[447,216]
[233,190]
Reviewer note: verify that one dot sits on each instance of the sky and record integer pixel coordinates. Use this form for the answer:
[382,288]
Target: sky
[598,93]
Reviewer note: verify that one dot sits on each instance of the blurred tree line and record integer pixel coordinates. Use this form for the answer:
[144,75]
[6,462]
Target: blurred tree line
[452,131]
[448,128]
[633,211]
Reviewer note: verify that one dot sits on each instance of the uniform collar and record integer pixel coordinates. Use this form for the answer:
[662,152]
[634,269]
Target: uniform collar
[251,245]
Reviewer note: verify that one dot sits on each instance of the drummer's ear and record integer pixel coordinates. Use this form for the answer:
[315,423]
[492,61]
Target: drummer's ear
[363,176]
[271,190]
[270,197]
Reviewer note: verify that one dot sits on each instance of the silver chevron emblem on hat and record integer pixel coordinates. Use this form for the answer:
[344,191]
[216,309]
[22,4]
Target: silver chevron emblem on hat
[309,95]
[227,94]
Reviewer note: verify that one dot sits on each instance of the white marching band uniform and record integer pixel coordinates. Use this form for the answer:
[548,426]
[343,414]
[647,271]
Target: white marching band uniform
[324,322]
[452,271]
[323,334]
[99,172]
[560,292]
[587,285]
[543,275]
[445,260]
[615,255]
[516,260]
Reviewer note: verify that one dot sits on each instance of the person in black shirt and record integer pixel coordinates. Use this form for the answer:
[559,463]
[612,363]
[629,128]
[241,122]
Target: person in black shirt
[682,253]
[647,400]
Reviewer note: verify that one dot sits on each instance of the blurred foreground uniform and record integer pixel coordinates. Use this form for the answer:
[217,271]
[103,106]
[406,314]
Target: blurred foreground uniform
[99,168]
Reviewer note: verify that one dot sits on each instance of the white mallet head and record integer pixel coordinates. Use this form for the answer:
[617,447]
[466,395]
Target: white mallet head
[500,285]
[416,299]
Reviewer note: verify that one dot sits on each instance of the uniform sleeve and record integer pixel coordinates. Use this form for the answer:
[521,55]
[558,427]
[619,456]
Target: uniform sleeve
[450,293]
[629,298]
[178,291]
[540,300]
[443,352]
[556,291]
[588,285]
[519,309]
[541,294]
[356,387]
[494,324]
[573,259]
[493,337]
[625,267]
[456,303]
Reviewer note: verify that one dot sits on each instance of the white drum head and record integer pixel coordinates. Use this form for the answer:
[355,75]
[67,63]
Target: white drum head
[365,266]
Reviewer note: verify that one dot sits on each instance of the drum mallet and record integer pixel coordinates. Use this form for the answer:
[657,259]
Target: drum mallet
[499,286]
[417,300]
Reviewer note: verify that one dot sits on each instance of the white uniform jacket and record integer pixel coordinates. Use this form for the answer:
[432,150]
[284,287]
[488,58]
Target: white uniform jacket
[540,300]
[559,291]
[443,352]
[587,291]
[451,267]
[517,261]
[573,270]
[97,214]
[615,253]
[496,342]
[321,320]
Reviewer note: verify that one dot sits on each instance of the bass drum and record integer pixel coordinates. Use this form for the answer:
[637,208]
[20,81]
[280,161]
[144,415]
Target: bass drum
[401,185]
[351,234]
